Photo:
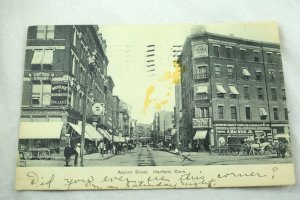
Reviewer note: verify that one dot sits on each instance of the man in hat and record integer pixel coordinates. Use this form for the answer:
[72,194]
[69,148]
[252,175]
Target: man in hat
[68,153]
[77,153]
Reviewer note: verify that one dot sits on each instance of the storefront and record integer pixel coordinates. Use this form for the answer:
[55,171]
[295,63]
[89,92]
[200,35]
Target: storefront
[240,133]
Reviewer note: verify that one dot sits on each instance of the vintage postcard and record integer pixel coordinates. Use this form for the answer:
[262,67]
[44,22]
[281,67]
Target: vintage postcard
[153,106]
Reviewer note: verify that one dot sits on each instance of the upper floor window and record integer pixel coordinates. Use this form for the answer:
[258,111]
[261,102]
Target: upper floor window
[283,94]
[258,75]
[246,74]
[256,56]
[220,91]
[273,94]
[42,59]
[272,75]
[41,94]
[221,112]
[281,76]
[286,114]
[243,54]
[202,69]
[246,92]
[218,70]
[248,112]
[269,57]
[260,93]
[275,113]
[233,112]
[228,52]
[216,50]
[45,32]
[230,71]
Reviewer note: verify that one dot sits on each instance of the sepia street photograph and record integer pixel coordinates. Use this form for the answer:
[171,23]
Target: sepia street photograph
[153,95]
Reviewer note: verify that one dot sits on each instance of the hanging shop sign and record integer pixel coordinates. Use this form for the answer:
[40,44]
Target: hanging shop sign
[98,109]
[59,94]
[201,122]
[41,76]
[199,49]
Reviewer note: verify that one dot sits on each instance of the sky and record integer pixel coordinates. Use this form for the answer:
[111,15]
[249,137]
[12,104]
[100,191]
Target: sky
[148,90]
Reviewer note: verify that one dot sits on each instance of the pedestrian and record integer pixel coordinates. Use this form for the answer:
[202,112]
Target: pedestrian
[101,148]
[68,153]
[77,153]
[104,148]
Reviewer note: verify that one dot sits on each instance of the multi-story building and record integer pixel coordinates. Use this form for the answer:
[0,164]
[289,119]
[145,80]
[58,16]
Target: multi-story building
[231,87]
[60,62]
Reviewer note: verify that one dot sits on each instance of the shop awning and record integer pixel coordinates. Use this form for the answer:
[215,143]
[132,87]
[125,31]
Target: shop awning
[283,135]
[245,72]
[48,57]
[40,130]
[119,139]
[37,58]
[200,135]
[220,89]
[263,112]
[105,134]
[90,131]
[202,89]
[233,90]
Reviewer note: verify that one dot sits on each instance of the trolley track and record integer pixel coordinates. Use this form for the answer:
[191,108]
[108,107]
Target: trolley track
[145,157]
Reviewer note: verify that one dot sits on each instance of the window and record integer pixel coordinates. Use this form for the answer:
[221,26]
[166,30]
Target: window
[260,93]
[272,75]
[246,74]
[283,94]
[243,54]
[275,113]
[269,57]
[258,75]
[204,112]
[74,37]
[221,112]
[202,70]
[73,65]
[286,114]
[256,56]
[263,113]
[45,32]
[273,94]
[230,71]
[233,112]
[42,59]
[216,51]
[228,52]
[220,91]
[248,112]
[217,70]
[41,94]
[233,92]
[281,76]
[246,92]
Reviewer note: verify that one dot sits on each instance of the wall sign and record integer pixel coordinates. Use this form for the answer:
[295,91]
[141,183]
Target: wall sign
[59,94]
[199,50]
[201,123]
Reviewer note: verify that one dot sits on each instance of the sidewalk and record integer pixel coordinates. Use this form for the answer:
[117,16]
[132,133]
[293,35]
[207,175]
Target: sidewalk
[93,156]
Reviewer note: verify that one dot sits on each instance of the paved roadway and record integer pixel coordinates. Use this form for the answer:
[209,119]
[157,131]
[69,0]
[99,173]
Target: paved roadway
[145,156]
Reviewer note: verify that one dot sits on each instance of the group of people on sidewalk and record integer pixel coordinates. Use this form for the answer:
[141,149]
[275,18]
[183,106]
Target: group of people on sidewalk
[103,148]
[69,151]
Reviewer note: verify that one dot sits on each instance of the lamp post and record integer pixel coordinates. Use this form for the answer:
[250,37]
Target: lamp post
[90,69]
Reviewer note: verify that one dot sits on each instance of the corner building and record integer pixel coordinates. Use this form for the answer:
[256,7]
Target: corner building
[56,71]
[231,87]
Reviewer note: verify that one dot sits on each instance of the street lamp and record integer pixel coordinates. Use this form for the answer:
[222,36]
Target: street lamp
[90,69]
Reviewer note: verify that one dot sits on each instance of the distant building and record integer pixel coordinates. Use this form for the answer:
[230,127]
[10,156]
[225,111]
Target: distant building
[231,87]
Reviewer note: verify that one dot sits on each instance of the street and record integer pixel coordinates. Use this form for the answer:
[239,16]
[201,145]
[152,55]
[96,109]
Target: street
[146,156]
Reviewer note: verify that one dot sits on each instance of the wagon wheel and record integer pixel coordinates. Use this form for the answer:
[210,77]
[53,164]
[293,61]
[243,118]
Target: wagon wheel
[274,151]
[27,155]
[42,155]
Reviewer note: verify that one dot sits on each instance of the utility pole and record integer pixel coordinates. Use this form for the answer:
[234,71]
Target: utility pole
[90,68]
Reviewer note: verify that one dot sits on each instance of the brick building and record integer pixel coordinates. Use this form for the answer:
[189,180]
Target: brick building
[60,61]
[231,87]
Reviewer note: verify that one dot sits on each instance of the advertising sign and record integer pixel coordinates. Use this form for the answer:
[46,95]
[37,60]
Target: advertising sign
[98,109]
[59,94]
[201,122]
[199,50]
